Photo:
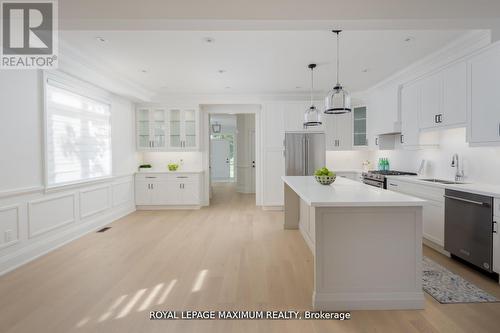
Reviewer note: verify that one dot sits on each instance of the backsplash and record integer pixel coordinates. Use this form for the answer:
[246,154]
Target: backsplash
[480,164]
[159,160]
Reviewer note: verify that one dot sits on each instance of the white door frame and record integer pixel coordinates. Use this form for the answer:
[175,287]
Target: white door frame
[206,110]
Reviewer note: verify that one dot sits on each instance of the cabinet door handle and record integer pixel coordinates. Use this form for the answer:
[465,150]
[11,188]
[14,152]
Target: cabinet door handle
[376,141]
[498,129]
[495,227]
[402,140]
[182,177]
[392,184]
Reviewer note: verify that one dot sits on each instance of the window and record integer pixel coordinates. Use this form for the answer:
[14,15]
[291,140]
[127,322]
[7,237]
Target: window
[78,142]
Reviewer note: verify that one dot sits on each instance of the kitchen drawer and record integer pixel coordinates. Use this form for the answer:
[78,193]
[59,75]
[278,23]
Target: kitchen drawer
[418,190]
[184,178]
[496,209]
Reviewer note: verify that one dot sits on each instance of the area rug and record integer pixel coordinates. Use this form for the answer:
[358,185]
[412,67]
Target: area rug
[448,288]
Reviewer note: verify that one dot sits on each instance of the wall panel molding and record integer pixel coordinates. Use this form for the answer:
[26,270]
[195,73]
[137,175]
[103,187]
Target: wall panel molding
[36,213]
[14,208]
[96,201]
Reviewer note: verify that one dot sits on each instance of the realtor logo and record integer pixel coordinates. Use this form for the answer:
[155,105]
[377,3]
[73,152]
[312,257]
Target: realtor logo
[29,35]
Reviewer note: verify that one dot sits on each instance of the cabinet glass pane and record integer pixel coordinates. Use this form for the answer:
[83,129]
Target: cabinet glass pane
[359,126]
[175,128]
[159,128]
[190,128]
[143,125]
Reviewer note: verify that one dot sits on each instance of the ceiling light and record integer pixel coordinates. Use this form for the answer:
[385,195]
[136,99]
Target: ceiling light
[409,39]
[228,87]
[221,71]
[209,40]
[144,71]
[338,100]
[216,128]
[298,87]
[312,116]
[365,70]
[101,39]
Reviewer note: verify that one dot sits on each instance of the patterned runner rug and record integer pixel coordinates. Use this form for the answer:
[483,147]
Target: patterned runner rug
[447,287]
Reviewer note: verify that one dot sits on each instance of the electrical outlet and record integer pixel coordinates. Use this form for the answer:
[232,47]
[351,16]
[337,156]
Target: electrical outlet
[8,236]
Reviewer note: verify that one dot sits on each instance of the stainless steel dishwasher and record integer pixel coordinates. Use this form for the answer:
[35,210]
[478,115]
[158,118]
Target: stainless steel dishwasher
[468,228]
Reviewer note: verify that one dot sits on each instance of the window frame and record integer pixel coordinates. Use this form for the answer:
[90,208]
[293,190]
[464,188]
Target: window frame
[64,81]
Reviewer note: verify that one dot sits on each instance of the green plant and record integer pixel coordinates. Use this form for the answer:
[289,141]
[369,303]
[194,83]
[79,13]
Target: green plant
[145,166]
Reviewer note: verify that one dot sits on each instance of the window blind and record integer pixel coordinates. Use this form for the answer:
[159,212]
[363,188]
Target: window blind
[78,144]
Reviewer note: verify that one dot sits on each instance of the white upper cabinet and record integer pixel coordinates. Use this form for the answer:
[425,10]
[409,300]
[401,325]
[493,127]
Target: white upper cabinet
[430,99]
[455,95]
[384,109]
[163,129]
[443,98]
[410,105]
[359,125]
[151,128]
[338,131]
[483,98]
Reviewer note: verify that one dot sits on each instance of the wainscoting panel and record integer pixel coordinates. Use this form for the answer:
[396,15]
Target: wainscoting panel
[123,192]
[94,200]
[50,213]
[9,226]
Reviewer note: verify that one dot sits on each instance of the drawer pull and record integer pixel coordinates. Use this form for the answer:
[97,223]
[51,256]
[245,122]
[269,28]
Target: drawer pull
[150,177]
[393,184]
[182,177]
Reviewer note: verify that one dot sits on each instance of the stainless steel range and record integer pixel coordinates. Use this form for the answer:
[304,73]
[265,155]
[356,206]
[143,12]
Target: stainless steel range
[377,177]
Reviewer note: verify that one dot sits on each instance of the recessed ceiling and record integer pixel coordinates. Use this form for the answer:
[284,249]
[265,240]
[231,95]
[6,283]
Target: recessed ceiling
[254,62]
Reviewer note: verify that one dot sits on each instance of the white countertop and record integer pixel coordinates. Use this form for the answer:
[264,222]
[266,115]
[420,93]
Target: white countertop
[346,193]
[167,171]
[483,189]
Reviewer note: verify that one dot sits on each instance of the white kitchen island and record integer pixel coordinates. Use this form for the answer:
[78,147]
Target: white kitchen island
[366,242]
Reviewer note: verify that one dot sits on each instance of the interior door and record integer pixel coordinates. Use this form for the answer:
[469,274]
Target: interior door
[219,159]
[251,146]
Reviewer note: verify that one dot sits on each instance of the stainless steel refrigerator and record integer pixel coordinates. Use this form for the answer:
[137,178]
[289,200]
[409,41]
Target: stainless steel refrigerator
[304,153]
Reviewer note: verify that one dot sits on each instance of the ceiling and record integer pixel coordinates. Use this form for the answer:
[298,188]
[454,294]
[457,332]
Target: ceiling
[253,62]
[93,10]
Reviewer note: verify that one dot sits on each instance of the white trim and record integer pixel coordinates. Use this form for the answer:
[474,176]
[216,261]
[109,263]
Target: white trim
[3,209]
[272,208]
[167,207]
[57,226]
[372,301]
[43,246]
[108,189]
[21,191]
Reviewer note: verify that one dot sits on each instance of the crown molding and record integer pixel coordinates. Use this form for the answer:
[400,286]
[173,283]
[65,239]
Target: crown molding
[457,50]
[73,62]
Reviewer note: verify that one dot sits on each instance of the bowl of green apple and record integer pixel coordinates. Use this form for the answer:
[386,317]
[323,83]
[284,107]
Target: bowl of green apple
[325,176]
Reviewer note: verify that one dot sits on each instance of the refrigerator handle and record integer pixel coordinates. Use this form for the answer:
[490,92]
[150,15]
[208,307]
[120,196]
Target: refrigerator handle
[306,164]
[304,155]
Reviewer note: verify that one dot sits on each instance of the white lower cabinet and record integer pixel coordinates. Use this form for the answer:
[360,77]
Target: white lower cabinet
[168,189]
[433,212]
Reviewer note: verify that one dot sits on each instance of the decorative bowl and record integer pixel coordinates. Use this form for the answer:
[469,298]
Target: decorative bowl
[325,180]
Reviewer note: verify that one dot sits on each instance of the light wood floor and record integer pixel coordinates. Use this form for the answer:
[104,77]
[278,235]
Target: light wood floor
[230,256]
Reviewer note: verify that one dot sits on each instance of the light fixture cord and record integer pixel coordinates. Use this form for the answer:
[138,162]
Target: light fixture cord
[312,85]
[338,58]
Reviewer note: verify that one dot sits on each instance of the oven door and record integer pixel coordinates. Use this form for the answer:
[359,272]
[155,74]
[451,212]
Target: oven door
[373,183]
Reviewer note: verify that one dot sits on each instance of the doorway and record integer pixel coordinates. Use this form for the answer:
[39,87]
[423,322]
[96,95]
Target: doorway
[232,154]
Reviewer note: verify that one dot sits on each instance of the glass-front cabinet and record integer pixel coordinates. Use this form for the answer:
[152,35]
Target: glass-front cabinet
[359,127]
[167,129]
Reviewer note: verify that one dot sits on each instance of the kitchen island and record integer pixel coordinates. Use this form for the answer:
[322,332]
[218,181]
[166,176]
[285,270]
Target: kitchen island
[366,242]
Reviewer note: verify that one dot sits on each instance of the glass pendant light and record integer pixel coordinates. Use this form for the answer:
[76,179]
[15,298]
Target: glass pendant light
[312,116]
[338,100]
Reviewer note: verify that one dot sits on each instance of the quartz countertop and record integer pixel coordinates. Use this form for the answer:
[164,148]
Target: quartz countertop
[167,171]
[346,193]
[491,190]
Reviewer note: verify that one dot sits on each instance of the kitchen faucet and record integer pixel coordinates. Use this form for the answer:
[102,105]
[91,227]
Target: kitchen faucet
[459,174]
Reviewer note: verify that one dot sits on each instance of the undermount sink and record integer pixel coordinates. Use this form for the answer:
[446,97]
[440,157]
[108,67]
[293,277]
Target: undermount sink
[441,181]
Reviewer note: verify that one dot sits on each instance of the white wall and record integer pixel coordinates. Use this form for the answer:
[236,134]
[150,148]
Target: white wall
[34,221]
[348,160]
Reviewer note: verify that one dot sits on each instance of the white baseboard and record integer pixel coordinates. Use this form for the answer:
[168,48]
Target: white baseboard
[275,208]
[435,247]
[46,245]
[368,301]
[169,207]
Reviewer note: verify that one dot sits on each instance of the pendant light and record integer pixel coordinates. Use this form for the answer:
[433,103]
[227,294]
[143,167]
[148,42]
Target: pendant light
[338,100]
[312,116]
